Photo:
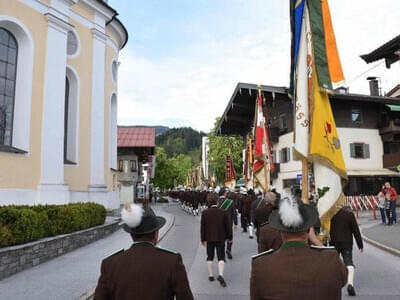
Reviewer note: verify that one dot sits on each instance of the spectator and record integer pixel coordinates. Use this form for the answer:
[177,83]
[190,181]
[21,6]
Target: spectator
[388,208]
[388,189]
[381,205]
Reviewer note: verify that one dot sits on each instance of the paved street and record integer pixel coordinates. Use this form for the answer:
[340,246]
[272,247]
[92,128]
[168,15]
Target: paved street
[377,272]
[69,276]
[185,237]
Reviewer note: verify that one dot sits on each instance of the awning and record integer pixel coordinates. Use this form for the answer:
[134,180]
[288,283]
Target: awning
[393,107]
[373,172]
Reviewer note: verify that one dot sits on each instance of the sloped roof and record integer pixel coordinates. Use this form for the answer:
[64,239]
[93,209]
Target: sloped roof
[136,137]
[238,117]
[386,51]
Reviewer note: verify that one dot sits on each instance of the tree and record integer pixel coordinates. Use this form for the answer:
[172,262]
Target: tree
[163,173]
[169,169]
[220,147]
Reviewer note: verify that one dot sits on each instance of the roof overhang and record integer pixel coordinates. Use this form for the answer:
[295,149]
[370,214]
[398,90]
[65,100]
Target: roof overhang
[388,51]
[141,152]
[109,14]
[366,98]
[238,116]
[373,172]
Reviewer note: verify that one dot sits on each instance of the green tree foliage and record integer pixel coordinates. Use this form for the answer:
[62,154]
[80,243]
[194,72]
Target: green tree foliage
[170,169]
[220,147]
[177,141]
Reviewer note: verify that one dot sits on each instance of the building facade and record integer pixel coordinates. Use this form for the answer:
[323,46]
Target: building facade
[365,126]
[136,162]
[58,101]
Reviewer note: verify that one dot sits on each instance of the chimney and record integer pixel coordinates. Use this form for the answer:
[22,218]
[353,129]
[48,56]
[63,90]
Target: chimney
[373,86]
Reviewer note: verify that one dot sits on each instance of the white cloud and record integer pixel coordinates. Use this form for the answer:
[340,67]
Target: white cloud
[194,86]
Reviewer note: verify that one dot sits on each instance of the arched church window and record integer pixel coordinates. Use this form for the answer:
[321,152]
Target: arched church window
[8,72]
[66,110]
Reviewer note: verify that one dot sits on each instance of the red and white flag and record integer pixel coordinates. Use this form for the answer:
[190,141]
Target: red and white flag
[230,177]
[262,151]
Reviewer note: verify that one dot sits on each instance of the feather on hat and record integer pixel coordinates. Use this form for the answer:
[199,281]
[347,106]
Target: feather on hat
[132,214]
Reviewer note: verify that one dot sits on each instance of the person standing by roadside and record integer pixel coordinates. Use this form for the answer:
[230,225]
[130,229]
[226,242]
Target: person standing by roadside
[388,189]
[215,229]
[381,205]
[343,227]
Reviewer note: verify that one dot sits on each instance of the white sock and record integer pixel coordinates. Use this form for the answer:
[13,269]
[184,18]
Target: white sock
[350,276]
[251,230]
[221,265]
[210,268]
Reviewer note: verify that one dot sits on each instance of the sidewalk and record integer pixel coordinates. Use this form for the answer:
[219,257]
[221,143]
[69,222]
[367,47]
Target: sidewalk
[73,274]
[382,236]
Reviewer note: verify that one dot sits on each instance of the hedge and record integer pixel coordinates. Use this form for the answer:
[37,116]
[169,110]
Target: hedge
[22,224]
[162,200]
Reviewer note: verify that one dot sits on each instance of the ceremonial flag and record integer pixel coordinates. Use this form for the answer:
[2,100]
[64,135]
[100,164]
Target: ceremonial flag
[211,176]
[263,163]
[302,81]
[315,71]
[230,178]
[247,161]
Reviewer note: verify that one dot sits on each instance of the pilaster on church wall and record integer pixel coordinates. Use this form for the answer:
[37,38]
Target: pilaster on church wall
[23,170]
[78,176]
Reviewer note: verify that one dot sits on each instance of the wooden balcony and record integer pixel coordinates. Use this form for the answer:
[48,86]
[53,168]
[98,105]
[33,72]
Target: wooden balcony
[392,126]
[391,160]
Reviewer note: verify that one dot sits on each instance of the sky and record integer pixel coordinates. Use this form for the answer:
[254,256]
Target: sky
[184,58]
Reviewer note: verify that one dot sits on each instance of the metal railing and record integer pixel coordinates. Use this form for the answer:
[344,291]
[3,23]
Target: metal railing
[362,203]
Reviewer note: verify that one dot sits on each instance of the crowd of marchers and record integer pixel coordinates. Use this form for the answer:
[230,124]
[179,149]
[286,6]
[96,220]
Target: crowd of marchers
[286,231]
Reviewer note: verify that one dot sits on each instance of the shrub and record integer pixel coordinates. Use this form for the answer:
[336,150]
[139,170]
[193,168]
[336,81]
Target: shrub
[22,224]
[162,200]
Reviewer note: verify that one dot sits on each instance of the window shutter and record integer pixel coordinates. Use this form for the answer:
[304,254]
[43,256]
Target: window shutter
[287,154]
[352,150]
[366,151]
[293,155]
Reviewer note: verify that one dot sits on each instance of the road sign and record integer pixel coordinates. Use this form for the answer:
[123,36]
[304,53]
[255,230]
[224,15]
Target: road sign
[299,177]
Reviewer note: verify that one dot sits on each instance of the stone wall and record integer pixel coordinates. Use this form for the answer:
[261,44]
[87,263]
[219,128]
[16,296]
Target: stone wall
[18,258]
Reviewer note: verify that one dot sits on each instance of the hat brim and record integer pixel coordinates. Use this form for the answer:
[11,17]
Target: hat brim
[308,213]
[146,227]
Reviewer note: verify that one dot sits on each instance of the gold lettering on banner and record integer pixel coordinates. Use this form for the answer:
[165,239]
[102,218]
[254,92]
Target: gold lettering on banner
[300,116]
[298,106]
[305,123]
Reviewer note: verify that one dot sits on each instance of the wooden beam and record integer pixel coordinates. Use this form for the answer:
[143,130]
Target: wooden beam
[239,119]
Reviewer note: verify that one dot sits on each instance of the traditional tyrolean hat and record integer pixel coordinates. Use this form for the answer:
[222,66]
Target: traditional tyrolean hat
[139,220]
[293,216]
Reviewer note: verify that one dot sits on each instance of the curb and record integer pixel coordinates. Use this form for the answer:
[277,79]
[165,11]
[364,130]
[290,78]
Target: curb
[168,229]
[381,246]
[90,294]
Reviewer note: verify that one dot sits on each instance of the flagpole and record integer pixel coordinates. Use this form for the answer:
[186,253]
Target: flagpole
[304,181]
[266,162]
